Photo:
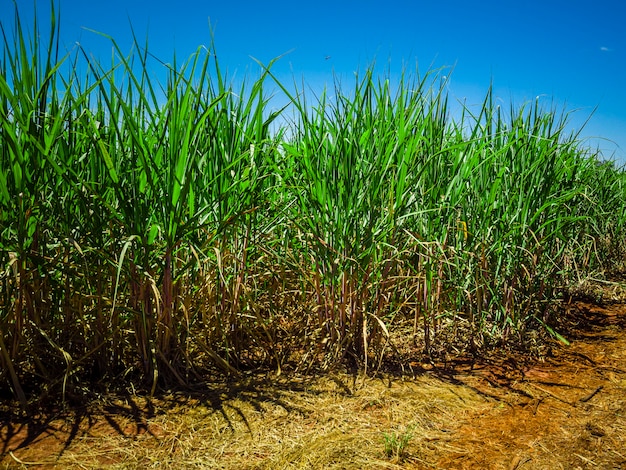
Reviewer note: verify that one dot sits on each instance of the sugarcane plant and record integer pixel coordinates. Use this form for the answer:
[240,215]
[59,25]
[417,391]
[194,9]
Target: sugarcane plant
[163,223]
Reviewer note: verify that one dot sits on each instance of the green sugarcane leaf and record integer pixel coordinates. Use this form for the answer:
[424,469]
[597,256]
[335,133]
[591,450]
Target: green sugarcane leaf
[108,162]
[152,234]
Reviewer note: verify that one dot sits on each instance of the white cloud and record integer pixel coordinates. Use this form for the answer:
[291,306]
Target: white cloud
[605,49]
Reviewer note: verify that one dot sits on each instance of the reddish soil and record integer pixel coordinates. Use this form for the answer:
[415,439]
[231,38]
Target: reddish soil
[567,411]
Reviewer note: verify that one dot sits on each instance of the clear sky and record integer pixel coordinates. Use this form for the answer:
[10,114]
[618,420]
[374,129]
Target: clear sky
[572,52]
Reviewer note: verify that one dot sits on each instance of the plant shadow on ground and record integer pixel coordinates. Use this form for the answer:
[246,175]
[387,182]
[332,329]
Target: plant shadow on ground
[129,415]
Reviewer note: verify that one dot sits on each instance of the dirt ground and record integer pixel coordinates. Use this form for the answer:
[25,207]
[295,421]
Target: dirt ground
[567,411]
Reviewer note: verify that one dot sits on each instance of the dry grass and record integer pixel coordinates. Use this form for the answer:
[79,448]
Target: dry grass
[328,422]
[601,290]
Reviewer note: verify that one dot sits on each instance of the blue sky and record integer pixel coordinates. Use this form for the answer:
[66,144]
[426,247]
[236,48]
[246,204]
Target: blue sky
[572,53]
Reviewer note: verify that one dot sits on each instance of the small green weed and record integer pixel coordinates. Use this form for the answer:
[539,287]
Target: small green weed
[396,443]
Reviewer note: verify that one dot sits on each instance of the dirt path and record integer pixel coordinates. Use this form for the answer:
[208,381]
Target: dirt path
[569,412]
[566,412]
